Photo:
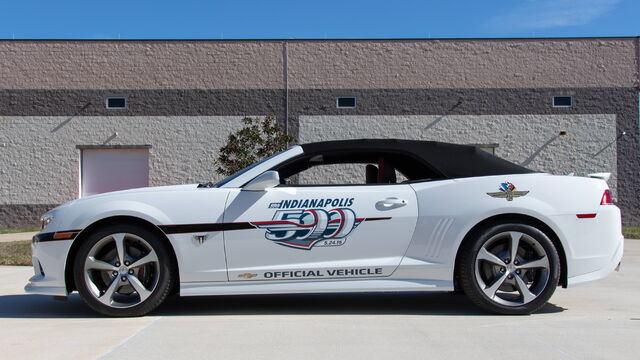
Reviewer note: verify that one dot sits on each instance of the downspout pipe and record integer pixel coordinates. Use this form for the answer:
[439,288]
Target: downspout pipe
[285,65]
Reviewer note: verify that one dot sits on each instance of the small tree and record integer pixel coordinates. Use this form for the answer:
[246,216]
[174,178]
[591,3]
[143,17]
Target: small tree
[257,140]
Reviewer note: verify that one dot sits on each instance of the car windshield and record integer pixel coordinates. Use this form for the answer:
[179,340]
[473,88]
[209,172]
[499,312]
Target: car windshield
[226,180]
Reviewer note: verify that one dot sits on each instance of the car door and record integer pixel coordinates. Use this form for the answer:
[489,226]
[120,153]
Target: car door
[318,232]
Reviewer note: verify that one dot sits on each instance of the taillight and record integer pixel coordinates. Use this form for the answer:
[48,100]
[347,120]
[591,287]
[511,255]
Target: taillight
[606,198]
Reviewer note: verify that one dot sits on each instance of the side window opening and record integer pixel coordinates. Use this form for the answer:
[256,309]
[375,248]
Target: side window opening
[349,168]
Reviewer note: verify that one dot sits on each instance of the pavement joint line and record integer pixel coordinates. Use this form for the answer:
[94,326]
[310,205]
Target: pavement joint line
[126,340]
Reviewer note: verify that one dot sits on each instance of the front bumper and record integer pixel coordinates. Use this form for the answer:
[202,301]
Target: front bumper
[33,287]
[49,260]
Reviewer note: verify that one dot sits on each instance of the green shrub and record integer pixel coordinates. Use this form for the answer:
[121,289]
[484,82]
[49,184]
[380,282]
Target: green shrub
[257,140]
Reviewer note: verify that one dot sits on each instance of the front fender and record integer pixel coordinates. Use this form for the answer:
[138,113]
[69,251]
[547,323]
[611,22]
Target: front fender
[87,215]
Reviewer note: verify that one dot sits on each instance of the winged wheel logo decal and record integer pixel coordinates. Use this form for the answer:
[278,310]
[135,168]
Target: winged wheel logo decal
[507,191]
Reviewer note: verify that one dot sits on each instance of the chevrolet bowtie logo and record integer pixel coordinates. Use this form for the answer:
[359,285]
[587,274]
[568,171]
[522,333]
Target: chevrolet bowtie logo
[247,275]
[507,191]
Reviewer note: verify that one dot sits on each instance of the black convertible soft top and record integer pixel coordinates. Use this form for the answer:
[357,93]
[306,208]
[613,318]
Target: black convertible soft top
[449,160]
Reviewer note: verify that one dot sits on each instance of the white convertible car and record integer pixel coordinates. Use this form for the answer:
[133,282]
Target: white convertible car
[338,216]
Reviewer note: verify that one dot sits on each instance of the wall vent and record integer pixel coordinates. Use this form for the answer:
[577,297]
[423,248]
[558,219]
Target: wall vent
[346,102]
[116,103]
[562,101]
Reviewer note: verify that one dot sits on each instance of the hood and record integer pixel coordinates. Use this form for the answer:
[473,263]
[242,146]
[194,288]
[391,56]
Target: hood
[156,189]
[184,187]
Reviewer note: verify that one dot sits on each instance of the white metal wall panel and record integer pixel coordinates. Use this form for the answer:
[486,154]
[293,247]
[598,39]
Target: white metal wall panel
[105,170]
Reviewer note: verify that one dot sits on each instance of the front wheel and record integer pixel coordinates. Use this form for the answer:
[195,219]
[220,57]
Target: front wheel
[123,270]
[510,269]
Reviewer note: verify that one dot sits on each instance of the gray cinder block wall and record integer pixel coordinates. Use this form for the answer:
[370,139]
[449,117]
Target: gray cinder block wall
[185,97]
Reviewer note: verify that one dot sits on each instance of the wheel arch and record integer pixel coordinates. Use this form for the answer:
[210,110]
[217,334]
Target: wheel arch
[513,217]
[120,219]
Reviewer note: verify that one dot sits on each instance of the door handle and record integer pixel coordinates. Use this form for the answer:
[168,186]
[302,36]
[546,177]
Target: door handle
[390,203]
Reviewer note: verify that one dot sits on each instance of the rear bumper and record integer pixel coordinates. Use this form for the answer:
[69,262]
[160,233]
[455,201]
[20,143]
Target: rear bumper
[606,270]
[593,246]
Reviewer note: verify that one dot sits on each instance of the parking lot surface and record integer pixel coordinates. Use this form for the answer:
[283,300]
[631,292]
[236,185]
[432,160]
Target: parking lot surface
[600,320]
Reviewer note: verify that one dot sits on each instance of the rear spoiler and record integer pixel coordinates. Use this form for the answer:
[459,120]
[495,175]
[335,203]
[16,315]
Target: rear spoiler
[603,175]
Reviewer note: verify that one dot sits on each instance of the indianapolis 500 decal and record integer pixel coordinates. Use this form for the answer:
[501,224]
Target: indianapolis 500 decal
[305,228]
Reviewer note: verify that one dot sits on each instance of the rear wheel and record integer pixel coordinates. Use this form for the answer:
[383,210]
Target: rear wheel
[510,269]
[123,270]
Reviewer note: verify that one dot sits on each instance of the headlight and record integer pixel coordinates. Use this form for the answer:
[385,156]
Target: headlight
[45,220]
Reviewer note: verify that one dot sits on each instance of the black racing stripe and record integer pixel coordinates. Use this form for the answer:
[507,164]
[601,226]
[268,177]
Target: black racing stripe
[41,237]
[191,228]
[167,229]
[51,236]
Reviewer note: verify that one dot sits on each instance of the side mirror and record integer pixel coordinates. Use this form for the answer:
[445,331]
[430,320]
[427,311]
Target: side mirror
[267,179]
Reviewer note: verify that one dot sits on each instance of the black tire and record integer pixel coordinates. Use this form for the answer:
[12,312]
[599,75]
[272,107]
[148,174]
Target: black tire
[92,283]
[509,298]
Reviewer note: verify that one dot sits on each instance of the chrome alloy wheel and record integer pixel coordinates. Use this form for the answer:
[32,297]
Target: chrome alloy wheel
[512,268]
[121,270]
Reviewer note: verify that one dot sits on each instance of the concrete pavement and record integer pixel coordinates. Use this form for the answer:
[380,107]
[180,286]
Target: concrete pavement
[17,236]
[600,320]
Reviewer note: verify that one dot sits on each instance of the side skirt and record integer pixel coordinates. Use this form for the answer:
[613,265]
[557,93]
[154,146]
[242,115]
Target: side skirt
[307,286]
